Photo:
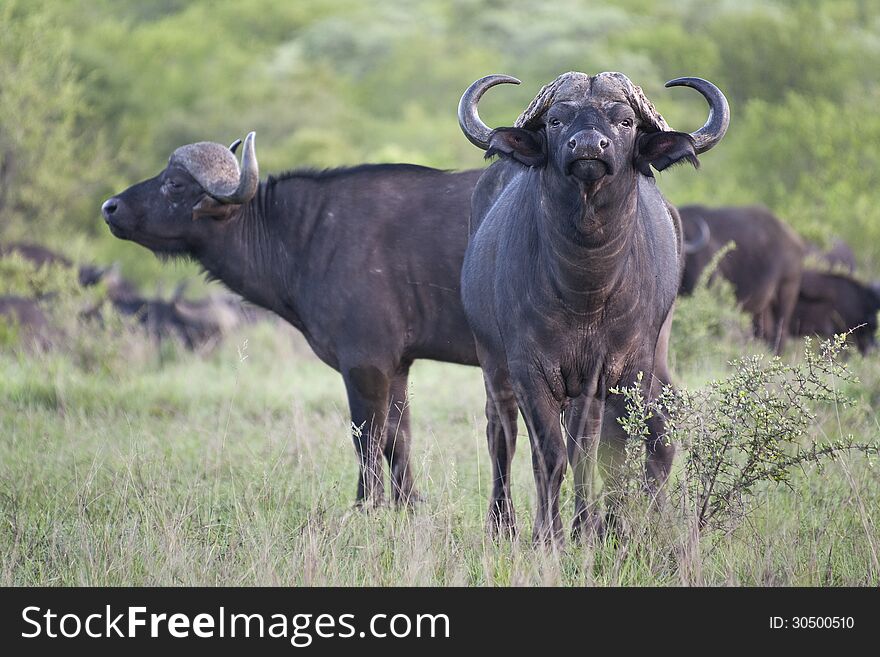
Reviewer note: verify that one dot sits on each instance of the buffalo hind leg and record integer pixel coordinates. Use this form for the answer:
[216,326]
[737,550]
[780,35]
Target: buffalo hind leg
[398,440]
[368,389]
[501,416]
[660,450]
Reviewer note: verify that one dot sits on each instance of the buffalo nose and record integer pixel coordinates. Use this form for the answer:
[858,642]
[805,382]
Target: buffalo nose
[589,139]
[109,208]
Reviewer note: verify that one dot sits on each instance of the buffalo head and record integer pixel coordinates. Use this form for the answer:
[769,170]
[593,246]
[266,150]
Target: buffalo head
[591,128]
[202,182]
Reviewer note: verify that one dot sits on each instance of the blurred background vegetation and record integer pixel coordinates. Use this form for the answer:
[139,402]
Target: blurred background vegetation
[95,94]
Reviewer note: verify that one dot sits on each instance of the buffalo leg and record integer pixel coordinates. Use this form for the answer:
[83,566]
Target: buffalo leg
[501,416]
[549,460]
[368,390]
[783,307]
[660,451]
[612,457]
[397,442]
[583,425]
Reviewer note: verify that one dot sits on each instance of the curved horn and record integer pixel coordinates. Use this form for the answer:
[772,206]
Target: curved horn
[249,178]
[234,145]
[700,243]
[719,112]
[472,126]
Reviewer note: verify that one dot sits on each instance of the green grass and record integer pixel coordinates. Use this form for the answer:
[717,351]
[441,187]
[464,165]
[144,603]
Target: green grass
[236,468]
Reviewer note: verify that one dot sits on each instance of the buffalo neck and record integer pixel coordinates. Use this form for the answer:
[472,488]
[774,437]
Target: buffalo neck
[586,239]
[247,251]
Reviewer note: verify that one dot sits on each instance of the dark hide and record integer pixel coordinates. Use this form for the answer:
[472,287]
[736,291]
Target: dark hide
[569,283]
[764,267]
[40,256]
[34,253]
[839,257]
[829,304]
[197,324]
[27,319]
[364,261]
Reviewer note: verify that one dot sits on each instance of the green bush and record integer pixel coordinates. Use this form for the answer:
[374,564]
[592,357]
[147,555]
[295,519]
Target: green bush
[747,430]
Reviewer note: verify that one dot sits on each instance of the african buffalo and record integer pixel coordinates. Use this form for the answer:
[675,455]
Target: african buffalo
[829,304]
[571,273]
[40,256]
[26,321]
[365,261]
[196,324]
[839,256]
[205,321]
[764,267]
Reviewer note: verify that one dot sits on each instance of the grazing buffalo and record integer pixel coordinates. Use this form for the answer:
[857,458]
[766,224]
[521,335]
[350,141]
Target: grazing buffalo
[839,257]
[196,324]
[829,304]
[365,261]
[764,267]
[571,274]
[204,322]
[24,322]
[40,256]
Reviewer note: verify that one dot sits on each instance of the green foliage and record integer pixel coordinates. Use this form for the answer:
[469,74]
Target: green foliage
[9,332]
[751,428]
[22,278]
[97,94]
[50,159]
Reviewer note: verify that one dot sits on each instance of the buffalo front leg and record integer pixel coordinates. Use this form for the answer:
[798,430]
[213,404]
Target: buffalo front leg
[660,453]
[549,461]
[397,442]
[368,390]
[783,308]
[501,416]
[583,424]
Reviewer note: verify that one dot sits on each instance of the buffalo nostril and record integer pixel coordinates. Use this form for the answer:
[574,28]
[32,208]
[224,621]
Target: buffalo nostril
[572,143]
[603,143]
[110,206]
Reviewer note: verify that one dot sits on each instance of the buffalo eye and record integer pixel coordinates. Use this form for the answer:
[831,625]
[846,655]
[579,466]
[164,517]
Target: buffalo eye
[555,123]
[627,123]
[172,186]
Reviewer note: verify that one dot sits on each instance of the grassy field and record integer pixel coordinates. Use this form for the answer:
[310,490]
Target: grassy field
[123,464]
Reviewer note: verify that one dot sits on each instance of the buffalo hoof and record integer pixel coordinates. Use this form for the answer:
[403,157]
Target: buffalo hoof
[501,521]
[410,501]
[371,505]
[587,526]
[548,537]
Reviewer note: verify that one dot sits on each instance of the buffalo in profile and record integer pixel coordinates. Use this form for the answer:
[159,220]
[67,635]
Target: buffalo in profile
[764,267]
[364,261]
[571,274]
[831,303]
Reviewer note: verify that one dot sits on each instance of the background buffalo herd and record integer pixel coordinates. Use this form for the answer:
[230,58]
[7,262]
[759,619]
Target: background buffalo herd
[196,324]
[830,294]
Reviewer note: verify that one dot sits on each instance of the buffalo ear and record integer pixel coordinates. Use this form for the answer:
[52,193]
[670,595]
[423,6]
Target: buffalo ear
[663,149]
[210,207]
[522,145]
